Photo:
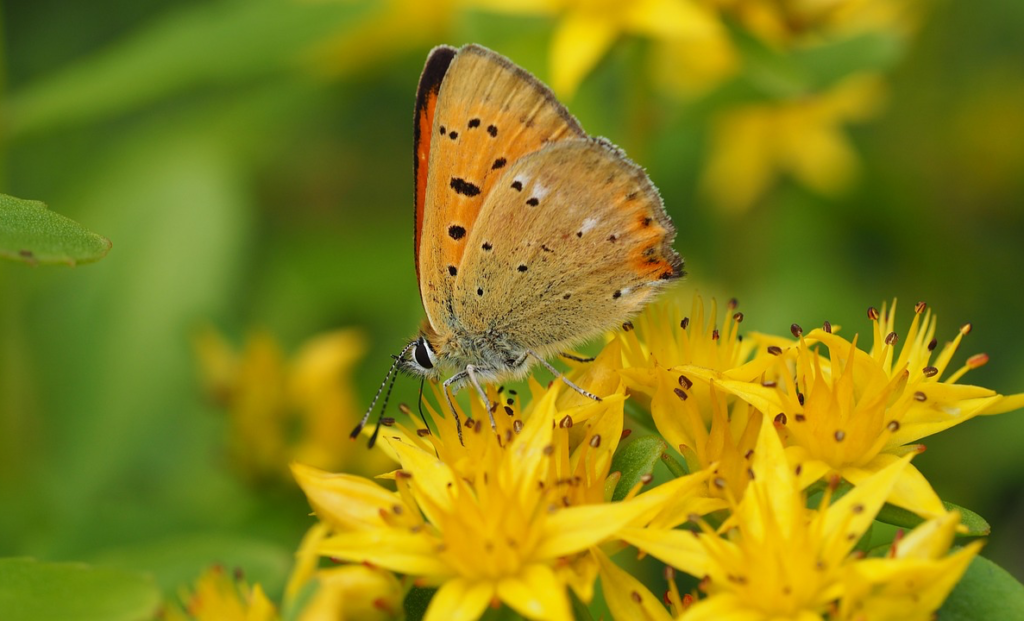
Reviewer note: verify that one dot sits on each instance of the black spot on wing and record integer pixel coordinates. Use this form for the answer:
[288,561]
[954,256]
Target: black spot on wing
[533,201]
[493,131]
[499,163]
[453,270]
[461,186]
[453,135]
[474,123]
[517,185]
[487,246]
[443,130]
[522,267]
[456,232]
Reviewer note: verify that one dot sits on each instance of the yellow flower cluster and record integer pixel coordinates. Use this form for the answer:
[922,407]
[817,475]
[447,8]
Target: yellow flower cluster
[281,410]
[793,445]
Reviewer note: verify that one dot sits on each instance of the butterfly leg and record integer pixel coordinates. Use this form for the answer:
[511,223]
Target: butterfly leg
[451,406]
[471,371]
[565,379]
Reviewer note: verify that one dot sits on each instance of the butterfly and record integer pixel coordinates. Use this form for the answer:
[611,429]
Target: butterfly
[531,237]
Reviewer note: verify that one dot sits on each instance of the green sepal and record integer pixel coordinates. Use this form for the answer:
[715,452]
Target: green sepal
[634,459]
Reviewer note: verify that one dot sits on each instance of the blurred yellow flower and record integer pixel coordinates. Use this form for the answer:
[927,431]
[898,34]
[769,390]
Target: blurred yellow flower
[753,145]
[280,410]
[803,22]
[351,592]
[506,535]
[587,29]
[218,596]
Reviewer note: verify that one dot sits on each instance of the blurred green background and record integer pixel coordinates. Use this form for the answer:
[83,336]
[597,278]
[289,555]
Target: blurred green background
[251,162]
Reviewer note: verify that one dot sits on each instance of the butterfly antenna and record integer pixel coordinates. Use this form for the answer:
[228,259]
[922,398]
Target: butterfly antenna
[359,428]
[384,406]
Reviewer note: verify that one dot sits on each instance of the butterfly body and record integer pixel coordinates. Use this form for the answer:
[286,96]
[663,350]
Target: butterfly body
[531,236]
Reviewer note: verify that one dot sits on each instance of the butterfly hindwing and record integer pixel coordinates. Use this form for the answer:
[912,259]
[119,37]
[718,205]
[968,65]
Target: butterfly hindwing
[571,240]
[488,114]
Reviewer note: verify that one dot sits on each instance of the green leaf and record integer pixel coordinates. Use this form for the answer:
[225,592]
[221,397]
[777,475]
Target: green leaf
[826,64]
[33,591]
[770,73]
[897,516]
[32,233]
[986,591]
[635,459]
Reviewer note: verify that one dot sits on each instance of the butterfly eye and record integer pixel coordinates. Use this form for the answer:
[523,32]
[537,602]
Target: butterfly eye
[422,354]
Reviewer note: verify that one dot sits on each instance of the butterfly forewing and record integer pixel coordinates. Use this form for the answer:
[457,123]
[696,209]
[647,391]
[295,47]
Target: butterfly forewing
[488,114]
[571,240]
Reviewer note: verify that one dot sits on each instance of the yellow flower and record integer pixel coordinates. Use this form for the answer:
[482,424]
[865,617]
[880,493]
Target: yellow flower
[504,536]
[220,597]
[777,558]
[353,592]
[281,410]
[663,339]
[857,412]
[753,145]
[707,426]
[913,580]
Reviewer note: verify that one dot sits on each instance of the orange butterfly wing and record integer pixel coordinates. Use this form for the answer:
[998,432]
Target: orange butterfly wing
[483,114]
[438,61]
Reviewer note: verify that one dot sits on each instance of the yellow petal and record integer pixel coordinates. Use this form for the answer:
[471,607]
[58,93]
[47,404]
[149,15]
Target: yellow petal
[911,490]
[766,399]
[404,552]
[723,606]
[430,475]
[342,500]
[681,549]
[848,518]
[1008,403]
[536,594]
[306,559]
[260,606]
[627,597]
[670,19]
[460,600]
[579,43]
[577,528]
